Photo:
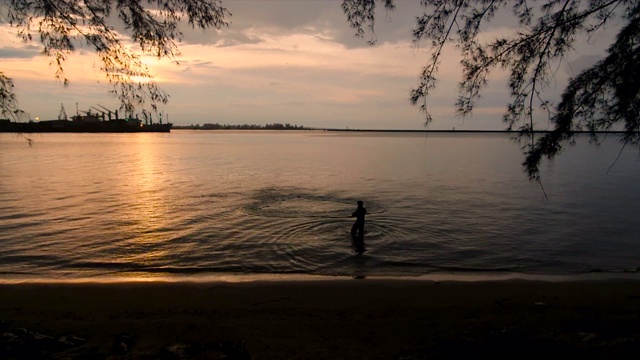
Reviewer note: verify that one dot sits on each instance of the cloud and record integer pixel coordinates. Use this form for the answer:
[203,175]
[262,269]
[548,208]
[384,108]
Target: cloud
[226,37]
[575,67]
[197,63]
[194,65]
[286,61]
[26,52]
[252,21]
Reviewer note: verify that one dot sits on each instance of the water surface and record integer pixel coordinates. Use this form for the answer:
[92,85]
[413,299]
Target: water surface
[190,203]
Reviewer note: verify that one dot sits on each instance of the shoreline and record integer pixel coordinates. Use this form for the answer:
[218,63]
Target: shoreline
[332,318]
[274,278]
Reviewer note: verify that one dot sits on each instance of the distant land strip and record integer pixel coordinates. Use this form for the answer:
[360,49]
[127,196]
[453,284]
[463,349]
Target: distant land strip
[475,131]
[216,126]
[300,127]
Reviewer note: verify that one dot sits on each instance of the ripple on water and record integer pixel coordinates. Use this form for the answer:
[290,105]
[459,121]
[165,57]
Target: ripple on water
[297,203]
[309,231]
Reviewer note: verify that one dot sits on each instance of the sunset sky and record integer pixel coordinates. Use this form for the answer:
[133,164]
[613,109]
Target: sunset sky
[292,62]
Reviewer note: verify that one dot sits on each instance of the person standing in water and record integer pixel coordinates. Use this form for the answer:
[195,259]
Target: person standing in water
[357,230]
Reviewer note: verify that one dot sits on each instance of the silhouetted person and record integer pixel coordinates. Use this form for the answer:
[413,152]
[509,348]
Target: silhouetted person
[358,227]
[357,230]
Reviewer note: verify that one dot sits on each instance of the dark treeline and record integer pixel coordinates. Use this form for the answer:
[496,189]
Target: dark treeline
[216,126]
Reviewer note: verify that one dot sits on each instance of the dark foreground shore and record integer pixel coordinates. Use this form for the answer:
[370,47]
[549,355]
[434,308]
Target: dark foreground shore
[343,319]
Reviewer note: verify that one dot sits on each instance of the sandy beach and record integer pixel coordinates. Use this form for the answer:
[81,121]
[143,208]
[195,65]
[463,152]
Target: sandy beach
[329,319]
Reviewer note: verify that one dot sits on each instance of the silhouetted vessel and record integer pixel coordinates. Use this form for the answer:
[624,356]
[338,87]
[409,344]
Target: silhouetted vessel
[88,123]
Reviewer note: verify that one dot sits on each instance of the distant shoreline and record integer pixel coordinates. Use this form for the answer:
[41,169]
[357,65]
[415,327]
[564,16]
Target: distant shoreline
[471,131]
[393,130]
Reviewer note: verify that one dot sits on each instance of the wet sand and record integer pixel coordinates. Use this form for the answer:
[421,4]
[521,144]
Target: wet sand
[329,319]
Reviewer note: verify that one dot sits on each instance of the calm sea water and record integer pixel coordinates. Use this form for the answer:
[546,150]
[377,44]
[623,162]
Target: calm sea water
[210,203]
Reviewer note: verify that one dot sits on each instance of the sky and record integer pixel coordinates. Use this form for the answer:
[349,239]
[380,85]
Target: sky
[294,62]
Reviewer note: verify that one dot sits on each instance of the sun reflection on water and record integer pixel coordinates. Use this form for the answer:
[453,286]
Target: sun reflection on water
[149,208]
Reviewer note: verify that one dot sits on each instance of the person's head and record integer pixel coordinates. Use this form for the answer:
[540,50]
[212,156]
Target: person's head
[360,203]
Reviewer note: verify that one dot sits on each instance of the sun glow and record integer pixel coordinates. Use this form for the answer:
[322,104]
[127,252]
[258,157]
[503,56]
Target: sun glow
[142,79]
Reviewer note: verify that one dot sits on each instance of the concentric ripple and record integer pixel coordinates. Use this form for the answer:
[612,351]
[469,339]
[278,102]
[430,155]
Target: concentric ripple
[311,232]
[297,203]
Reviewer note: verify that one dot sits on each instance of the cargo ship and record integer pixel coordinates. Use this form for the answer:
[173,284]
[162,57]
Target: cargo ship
[91,122]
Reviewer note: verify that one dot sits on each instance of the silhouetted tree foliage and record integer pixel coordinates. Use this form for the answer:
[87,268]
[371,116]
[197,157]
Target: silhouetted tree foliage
[61,26]
[600,98]
[8,104]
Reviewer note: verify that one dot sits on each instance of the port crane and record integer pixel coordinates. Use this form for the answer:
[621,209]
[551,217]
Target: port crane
[109,112]
[63,114]
[98,111]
